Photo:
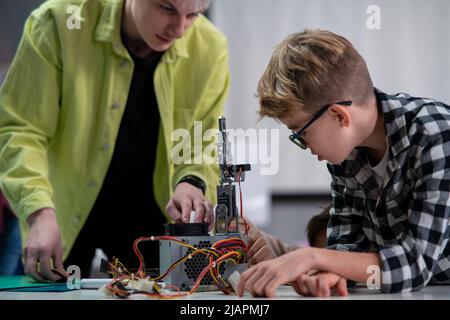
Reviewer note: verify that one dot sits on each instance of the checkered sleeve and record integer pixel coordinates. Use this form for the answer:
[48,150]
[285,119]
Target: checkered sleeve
[344,230]
[410,264]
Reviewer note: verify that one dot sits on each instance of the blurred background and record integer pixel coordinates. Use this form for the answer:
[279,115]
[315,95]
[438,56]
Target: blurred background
[406,44]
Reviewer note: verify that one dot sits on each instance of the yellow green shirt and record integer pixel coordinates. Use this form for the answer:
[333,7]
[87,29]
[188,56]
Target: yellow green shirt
[63,98]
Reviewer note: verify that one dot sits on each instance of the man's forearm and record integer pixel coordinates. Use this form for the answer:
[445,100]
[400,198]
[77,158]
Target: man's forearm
[350,265]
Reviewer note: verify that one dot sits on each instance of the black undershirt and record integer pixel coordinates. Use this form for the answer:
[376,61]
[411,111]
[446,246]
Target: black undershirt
[125,208]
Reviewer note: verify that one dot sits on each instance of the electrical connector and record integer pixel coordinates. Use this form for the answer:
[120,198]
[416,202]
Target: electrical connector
[103,289]
[142,285]
[234,279]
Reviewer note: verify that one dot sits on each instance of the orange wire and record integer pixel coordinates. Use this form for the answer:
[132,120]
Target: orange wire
[233,248]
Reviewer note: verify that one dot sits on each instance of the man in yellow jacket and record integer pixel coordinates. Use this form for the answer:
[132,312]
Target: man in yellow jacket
[87,115]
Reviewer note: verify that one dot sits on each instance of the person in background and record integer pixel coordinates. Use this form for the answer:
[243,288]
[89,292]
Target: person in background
[263,246]
[316,229]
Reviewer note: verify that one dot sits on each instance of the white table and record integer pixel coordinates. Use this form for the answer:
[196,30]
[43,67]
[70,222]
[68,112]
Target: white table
[283,293]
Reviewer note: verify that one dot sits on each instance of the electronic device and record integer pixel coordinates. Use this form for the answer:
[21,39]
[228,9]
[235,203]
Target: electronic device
[196,234]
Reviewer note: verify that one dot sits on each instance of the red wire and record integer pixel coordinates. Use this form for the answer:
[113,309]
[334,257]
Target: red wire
[240,204]
[229,248]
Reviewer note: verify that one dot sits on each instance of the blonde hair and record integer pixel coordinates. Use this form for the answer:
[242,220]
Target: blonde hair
[310,69]
[195,5]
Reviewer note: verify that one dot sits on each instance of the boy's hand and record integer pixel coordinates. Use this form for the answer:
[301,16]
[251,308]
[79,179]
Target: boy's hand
[259,247]
[187,198]
[320,284]
[43,246]
[263,279]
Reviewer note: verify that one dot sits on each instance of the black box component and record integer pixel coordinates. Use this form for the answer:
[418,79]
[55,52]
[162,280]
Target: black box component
[186,229]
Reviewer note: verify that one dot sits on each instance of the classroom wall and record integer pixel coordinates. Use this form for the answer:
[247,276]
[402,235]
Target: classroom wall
[410,53]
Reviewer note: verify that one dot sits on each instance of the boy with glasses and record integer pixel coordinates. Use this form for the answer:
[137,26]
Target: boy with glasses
[389,159]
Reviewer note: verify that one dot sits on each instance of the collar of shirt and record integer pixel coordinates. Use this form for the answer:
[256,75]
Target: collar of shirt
[395,124]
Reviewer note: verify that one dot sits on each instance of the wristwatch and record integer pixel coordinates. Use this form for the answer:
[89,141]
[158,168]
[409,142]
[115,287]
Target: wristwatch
[195,181]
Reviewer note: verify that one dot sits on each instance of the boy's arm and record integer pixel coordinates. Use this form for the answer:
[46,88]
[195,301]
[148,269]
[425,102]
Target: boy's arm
[355,266]
[348,257]
[264,278]
[346,234]
[412,263]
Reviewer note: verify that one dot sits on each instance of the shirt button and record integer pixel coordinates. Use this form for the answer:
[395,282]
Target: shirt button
[76,220]
[123,64]
[106,147]
[115,106]
[116,46]
[92,184]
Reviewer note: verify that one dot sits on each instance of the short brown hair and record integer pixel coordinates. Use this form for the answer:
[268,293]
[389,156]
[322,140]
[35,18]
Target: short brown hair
[317,224]
[310,69]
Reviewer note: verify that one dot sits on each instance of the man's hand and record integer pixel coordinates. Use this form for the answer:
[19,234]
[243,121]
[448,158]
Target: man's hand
[43,246]
[263,279]
[187,198]
[320,284]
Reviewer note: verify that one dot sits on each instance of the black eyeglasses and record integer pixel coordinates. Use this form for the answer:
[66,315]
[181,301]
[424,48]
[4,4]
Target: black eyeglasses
[296,138]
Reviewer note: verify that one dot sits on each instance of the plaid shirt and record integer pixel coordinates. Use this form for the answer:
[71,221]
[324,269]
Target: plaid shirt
[406,220]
